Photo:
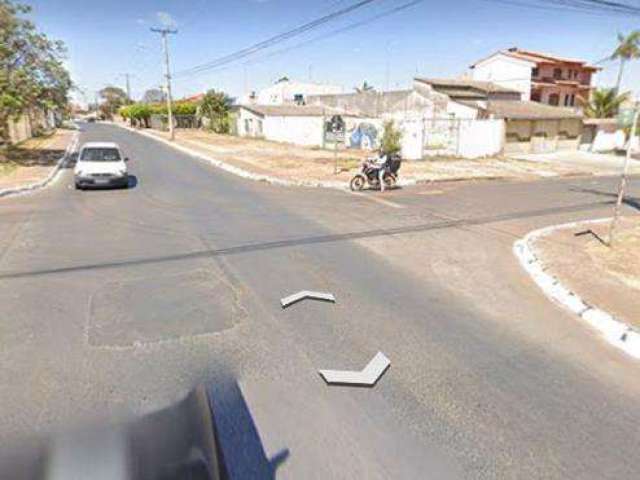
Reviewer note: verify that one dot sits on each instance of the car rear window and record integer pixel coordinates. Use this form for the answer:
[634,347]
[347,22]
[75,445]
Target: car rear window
[100,155]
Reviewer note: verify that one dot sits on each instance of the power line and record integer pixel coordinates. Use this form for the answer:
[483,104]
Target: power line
[351,26]
[273,40]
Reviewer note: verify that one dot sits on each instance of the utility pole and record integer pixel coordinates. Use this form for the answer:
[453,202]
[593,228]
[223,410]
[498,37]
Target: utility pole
[126,76]
[623,179]
[164,32]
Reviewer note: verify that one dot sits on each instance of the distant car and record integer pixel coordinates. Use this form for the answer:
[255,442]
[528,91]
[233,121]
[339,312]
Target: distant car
[91,119]
[101,164]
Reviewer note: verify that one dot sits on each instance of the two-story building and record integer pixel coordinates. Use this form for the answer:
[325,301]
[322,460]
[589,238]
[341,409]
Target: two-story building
[539,77]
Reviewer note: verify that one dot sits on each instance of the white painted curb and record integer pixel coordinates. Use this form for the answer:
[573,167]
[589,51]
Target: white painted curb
[617,333]
[237,170]
[52,177]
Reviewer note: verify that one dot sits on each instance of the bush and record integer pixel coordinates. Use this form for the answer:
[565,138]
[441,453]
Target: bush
[391,139]
[138,114]
[185,108]
[215,107]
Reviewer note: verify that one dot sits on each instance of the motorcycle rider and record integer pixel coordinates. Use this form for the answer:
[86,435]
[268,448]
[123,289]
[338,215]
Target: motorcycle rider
[381,162]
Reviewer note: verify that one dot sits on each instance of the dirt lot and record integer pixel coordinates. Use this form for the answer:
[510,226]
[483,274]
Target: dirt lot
[291,162]
[608,278]
[32,160]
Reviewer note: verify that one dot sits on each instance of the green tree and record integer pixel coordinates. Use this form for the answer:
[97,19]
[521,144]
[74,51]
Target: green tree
[604,103]
[31,70]
[215,107]
[391,138]
[153,95]
[628,49]
[112,99]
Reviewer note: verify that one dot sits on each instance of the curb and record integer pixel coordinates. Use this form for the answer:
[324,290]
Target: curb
[617,333]
[240,172]
[49,179]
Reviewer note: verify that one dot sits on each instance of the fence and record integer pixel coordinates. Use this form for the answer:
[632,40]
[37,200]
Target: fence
[161,122]
[467,138]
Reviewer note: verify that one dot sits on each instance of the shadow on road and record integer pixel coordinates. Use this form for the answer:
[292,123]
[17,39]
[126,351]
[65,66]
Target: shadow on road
[320,239]
[240,447]
[632,202]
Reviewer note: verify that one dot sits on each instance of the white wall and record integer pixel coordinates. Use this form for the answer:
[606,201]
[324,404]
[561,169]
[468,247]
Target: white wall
[507,72]
[459,110]
[481,138]
[466,138]
[249,124]
[306,131]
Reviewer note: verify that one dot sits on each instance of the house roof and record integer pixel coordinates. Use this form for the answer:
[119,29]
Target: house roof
[524,110]
[192,98]
[463,84]
[538,57]
[296,110]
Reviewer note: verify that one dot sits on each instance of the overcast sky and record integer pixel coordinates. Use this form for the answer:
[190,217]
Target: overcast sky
[434,38]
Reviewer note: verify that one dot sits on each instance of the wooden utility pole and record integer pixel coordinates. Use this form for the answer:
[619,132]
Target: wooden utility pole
[164,32]
[623,179]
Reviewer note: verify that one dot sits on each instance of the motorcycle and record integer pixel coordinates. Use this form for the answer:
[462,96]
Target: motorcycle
[369,174]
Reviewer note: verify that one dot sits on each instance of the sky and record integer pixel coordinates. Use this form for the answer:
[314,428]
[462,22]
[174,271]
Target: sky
[435,38]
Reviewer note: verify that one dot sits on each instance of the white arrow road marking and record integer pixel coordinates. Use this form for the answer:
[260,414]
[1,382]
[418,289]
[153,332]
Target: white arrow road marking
[296,297]
[368,376]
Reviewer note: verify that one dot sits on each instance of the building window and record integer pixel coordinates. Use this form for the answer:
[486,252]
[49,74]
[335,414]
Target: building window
[298,99]
[557,73]
[573,99]
[535,72]
[554,99]
[535,96]
[566,100]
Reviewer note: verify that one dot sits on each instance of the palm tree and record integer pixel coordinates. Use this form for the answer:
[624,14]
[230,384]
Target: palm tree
[604,103]
[628,49]
[364,88]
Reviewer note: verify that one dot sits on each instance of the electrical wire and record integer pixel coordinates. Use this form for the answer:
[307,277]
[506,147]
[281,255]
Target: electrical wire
[243,53]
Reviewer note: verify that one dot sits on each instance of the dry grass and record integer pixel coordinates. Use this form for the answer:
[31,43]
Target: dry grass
[623,260]
[293,162]
[608,278]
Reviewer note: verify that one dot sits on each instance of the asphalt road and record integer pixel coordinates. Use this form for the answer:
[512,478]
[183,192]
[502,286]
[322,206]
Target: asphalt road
[116,303]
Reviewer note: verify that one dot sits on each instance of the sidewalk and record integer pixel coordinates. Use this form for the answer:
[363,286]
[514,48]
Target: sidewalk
[33,160]
[608,278]
[292,164]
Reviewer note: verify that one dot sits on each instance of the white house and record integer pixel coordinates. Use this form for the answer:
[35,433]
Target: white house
[507,71]
[297,124]
[287,91]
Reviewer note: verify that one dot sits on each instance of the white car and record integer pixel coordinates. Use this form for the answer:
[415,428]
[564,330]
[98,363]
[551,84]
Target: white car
[101,164]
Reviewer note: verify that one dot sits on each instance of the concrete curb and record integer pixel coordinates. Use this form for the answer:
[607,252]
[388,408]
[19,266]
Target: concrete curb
[52,177]
[614,331]
[237,170]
